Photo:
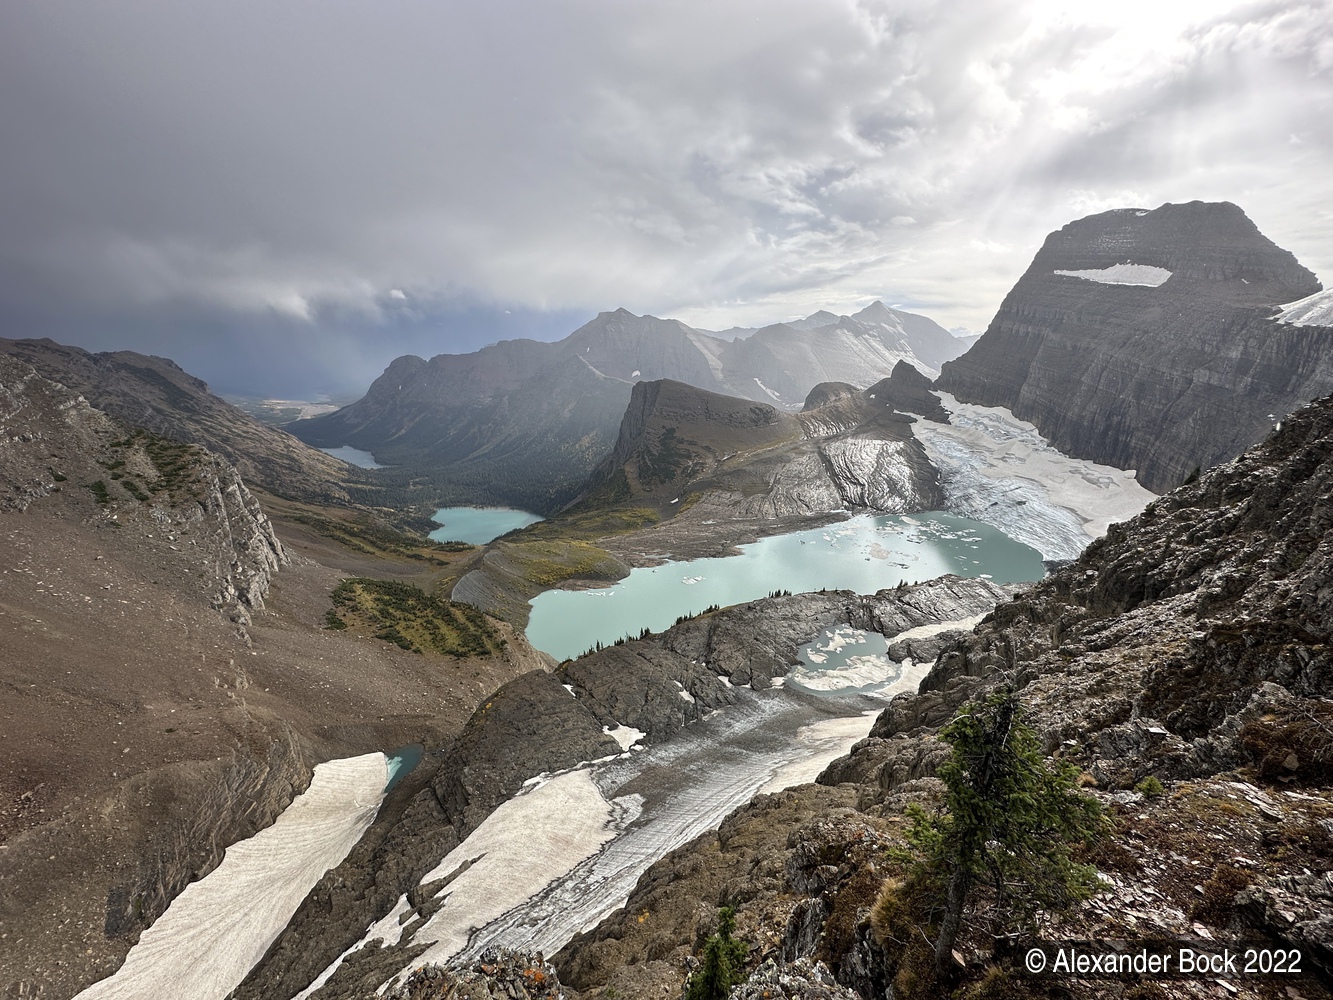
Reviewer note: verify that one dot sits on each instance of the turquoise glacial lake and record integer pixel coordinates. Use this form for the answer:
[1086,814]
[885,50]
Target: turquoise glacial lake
[864,554]
[478,525]
[354,456]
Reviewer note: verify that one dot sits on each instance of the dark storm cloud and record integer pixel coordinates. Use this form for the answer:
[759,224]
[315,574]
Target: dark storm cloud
[312,170]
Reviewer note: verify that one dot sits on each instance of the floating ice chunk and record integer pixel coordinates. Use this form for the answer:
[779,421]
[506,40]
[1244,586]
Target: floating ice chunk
[1144,275]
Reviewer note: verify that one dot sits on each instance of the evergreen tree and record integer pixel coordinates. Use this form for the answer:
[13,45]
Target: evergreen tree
[1009,823]
[723,963]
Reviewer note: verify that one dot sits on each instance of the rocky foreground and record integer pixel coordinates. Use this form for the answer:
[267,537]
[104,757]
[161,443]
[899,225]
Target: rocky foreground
[1190,646]
[1184,663]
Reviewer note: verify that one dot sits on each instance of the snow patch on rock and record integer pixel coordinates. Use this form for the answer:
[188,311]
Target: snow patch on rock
[213,933]
[1313,310]
[1143,275]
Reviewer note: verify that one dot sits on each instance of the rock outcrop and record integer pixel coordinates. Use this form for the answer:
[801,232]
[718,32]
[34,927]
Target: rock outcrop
[183,507]
[845,448]
[1147,340]
[155,394]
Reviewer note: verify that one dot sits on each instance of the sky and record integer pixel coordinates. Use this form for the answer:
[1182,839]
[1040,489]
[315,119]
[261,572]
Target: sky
[283,196]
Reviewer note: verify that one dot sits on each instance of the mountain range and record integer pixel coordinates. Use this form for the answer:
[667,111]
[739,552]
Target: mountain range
[179,650]
[525,422]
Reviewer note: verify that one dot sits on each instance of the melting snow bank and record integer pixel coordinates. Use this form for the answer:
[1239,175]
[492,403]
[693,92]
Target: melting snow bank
[825,742]
[566,851]
[1313,310]
[999,469]
[215,931]
[1143,275]
[528,843]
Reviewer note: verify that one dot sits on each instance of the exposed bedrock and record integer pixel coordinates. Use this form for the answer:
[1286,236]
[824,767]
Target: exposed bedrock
[172,505]
[1160,378]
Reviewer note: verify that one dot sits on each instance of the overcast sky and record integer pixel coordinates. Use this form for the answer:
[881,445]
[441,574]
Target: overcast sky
[329,184]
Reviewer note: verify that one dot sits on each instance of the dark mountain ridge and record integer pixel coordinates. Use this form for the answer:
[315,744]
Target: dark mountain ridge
[844,448]
[1162,376]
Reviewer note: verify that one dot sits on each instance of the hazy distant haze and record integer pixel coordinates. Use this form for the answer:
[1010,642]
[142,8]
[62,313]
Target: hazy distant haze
[286,195]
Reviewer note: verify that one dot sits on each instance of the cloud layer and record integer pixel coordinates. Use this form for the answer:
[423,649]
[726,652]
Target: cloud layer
[351,167]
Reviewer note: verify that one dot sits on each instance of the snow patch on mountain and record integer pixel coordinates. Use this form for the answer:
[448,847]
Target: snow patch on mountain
[213,933]
[1313,310]
[1143,275]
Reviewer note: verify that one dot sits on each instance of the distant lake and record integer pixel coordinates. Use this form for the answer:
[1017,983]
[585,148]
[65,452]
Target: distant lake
[863,554]
[354,456]
[478,525]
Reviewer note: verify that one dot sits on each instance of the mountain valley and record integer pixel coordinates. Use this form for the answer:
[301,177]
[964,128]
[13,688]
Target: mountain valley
[214,633]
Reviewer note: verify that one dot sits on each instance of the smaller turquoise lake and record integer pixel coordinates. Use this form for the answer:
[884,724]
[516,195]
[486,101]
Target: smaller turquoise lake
[354,456]
[478,525]
[863,554]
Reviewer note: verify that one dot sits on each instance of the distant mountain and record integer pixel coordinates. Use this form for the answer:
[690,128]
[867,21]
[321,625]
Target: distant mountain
[846,448]
[1152,340]
[156,394]
[525,422]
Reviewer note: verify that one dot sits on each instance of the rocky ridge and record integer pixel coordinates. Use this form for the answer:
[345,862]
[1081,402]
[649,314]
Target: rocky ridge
[1147,340]
[190,507]
[1190,646]
[845,448]
[155,394]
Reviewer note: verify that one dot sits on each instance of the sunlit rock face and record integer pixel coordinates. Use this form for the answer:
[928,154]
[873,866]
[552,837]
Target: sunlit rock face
[1147,340]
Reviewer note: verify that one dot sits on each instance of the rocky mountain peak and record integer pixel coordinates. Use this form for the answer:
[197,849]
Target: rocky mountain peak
[1212,243]
[829,392]
[1145,339]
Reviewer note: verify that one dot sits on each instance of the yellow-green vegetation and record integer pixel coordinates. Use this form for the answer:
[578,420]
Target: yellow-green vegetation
[547,563]
[585,523]
[364,531]
[359,532]
[414,620]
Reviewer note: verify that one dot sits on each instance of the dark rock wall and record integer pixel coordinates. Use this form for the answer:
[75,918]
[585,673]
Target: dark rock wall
[1163,380]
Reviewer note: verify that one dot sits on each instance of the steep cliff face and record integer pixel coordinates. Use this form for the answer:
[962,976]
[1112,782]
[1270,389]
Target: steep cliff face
[1145,340]
[175,506]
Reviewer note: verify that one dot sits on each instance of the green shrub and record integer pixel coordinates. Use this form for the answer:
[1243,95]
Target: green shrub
[723,962]
[1150,787]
